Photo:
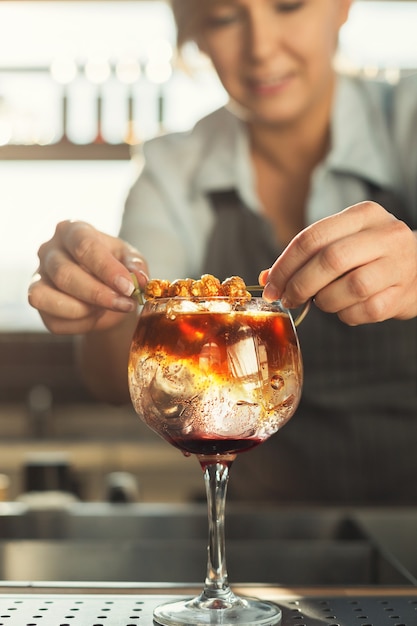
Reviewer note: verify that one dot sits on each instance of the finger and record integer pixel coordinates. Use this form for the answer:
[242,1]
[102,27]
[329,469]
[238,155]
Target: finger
[73,280]
[371,259]
[100,254]
[378,308]
[63,314]
[357,286]
[47,300]
[60,326]
[319,236]
[136,265]
[335,261]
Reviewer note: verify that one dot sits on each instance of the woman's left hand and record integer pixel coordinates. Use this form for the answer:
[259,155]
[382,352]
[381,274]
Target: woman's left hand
[360,263]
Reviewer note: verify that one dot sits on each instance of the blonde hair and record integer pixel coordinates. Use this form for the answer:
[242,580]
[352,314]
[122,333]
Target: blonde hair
[188,17]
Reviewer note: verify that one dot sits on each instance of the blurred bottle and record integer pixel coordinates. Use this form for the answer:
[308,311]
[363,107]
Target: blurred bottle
[4,487]
[48,481]
[121,487]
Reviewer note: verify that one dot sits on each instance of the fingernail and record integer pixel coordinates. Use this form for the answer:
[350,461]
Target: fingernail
[286,303]
[124,285]
[263,277]
[270,292]
[124,305]
[134,260]
[144,276]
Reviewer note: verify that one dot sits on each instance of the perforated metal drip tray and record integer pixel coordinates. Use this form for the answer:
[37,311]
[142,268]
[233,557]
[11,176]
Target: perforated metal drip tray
[108,609]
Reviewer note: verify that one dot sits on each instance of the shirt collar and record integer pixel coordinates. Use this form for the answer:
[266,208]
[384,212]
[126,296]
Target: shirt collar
[361,144]
[226,162]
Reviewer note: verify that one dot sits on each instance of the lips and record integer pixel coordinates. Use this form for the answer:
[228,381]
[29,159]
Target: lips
[268,84]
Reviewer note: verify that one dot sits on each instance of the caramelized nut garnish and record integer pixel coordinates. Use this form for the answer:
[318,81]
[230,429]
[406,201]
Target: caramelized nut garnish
[207,286]
[181,287]
[234,287]
[211,284]
[156,288]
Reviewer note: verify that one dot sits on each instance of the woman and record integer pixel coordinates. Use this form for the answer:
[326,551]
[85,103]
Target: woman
[261,184]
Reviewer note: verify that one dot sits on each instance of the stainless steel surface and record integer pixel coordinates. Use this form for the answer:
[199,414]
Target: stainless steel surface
[69,610]
[167,543]
[297,562]
[169,521]
[106,609]
[394,529]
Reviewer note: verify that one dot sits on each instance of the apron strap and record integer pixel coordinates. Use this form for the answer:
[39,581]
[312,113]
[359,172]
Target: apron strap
[358,410]
[241,242]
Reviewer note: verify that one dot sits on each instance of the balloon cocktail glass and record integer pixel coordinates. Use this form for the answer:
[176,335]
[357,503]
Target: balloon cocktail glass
[215,377]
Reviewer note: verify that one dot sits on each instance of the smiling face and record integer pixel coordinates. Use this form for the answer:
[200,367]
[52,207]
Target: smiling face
[274,57]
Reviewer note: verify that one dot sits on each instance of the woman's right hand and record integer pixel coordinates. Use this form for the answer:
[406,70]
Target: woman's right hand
[84,280]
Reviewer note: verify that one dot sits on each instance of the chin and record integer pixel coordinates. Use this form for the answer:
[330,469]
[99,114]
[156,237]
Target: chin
[274,118]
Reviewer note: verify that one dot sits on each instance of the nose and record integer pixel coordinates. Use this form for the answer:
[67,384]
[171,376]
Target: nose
[263,36]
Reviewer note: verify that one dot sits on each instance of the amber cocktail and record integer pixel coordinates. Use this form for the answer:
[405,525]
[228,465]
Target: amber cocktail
[215,377]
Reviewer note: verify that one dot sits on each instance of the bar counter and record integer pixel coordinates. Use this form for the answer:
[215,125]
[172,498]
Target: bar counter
[323,566]
[69,604]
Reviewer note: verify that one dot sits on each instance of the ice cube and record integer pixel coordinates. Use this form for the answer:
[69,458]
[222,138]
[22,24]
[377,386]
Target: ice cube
[218,306]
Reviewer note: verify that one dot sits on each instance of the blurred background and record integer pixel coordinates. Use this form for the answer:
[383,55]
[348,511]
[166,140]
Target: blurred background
[82,84]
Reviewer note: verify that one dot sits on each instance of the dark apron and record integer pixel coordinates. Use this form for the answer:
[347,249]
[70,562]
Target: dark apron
[353,438]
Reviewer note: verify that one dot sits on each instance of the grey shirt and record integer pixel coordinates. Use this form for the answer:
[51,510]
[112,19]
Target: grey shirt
[169,217]
[352,438]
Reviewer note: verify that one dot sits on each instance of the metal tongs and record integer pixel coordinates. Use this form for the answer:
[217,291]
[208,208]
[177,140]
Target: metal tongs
[137,292]
[140,297]
[297,320]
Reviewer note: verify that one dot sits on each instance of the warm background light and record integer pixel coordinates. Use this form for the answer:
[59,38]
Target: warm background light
[126,47]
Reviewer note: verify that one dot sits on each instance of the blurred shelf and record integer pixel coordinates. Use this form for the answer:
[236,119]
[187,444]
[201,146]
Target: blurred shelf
[72,0]
[66,151]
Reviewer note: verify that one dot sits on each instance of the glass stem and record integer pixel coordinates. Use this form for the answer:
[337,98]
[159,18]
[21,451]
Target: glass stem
[216,477]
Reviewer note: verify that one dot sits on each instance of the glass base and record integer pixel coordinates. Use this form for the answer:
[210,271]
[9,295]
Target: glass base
[227,611]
